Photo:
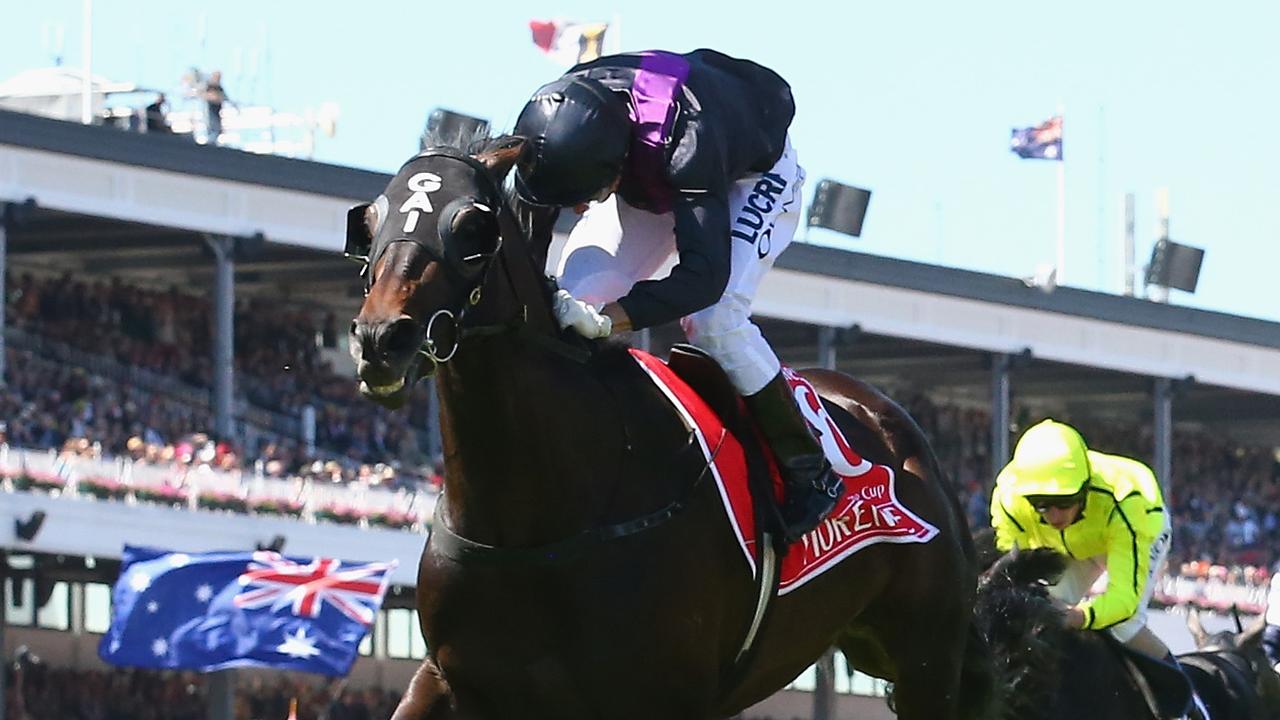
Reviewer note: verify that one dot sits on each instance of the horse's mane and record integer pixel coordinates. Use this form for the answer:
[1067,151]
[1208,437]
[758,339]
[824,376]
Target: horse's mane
[470,140]
[1023,628]
[534,220]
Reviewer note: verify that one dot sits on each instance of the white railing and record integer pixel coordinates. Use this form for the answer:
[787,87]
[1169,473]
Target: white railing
[1214,592]
[201,487]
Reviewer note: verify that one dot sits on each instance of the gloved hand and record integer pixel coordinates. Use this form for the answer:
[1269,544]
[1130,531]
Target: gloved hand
[574,313]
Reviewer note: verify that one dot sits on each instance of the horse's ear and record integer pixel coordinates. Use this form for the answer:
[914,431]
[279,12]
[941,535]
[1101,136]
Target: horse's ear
[1252,634]
[502,155]
[1197,630]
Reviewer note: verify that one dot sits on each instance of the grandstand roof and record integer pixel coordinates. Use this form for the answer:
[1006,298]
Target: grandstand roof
[132,205]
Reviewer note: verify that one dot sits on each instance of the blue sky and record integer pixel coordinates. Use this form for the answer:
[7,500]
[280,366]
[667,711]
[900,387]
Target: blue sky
[913,100]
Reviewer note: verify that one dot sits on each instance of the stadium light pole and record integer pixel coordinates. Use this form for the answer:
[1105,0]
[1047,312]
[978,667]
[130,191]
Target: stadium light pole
[11,215]
[824,686]
[4,620]
[1162,432]
[224,299]
[220,703]
[1163,392]
[827,348]
[1001,364]
[5,214]
[1002,367]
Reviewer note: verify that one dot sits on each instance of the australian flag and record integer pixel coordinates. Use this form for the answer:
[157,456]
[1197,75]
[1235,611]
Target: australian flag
[217,610]
[1042,142]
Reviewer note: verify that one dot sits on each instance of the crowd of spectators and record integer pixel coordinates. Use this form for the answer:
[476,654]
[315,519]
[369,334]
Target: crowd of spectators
[56,406]
[38,692]
[279,368]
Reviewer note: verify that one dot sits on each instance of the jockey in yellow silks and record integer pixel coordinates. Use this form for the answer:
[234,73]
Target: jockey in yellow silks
[1104,512]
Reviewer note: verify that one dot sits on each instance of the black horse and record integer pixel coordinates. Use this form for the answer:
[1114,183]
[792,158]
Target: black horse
[1049,672]
[578,567]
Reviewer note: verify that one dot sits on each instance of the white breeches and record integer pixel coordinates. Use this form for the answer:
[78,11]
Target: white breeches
[1083,573]
[615,246]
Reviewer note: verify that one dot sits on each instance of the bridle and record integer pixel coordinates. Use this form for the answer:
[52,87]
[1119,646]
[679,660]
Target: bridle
[471,272]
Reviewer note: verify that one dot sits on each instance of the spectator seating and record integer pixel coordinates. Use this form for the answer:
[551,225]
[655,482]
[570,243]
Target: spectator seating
[44,693]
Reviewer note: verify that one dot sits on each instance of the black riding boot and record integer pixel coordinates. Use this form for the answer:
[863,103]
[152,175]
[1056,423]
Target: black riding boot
[811,487]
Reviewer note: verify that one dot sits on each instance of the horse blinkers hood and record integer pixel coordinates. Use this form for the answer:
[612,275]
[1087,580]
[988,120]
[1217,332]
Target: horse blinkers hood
[578,133]
[459,231]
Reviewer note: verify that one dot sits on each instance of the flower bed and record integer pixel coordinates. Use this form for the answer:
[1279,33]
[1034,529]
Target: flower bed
[43,482]
[103,488]
[276,506]
[393,519]
[170,495]
[222,501]
[339,514]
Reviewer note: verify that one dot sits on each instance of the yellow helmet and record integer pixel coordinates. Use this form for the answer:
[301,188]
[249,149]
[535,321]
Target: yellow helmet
[1050,459]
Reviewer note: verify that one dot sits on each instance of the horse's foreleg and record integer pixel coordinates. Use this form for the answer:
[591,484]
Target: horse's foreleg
[428,696]
[924,631]
[927,686]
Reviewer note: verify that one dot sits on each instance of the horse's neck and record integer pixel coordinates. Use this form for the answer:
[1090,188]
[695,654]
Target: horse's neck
[526,456]
[515,422]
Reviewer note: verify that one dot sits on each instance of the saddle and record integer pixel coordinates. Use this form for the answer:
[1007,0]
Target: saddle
[1165,687]
[705,376]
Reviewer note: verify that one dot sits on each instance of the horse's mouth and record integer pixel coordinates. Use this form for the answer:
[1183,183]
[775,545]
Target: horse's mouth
[382,391]
[393,394]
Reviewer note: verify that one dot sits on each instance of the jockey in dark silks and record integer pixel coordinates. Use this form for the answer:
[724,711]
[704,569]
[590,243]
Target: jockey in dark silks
[685,158]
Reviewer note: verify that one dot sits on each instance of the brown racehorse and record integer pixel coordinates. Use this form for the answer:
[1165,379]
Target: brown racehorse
[578,568]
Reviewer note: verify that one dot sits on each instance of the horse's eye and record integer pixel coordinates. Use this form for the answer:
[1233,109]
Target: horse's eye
[375,214]
[475,233]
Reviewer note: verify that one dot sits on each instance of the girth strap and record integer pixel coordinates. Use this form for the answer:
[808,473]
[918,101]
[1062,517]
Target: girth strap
[447,543]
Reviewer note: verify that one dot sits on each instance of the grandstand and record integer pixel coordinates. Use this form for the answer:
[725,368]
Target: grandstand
[148,401]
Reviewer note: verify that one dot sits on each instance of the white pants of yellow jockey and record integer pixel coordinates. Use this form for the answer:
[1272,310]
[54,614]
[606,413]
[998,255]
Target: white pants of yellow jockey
[614,246]
[1083,573]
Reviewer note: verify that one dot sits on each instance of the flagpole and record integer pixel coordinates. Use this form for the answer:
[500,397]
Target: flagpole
[86,49]
[616,29]
[1062,224]
[220,700]
[4,661]
[1061,259]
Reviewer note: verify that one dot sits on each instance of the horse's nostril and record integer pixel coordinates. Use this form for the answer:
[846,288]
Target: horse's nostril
[400,337]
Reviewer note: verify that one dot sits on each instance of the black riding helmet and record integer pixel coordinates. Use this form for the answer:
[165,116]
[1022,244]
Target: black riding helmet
[578,133]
